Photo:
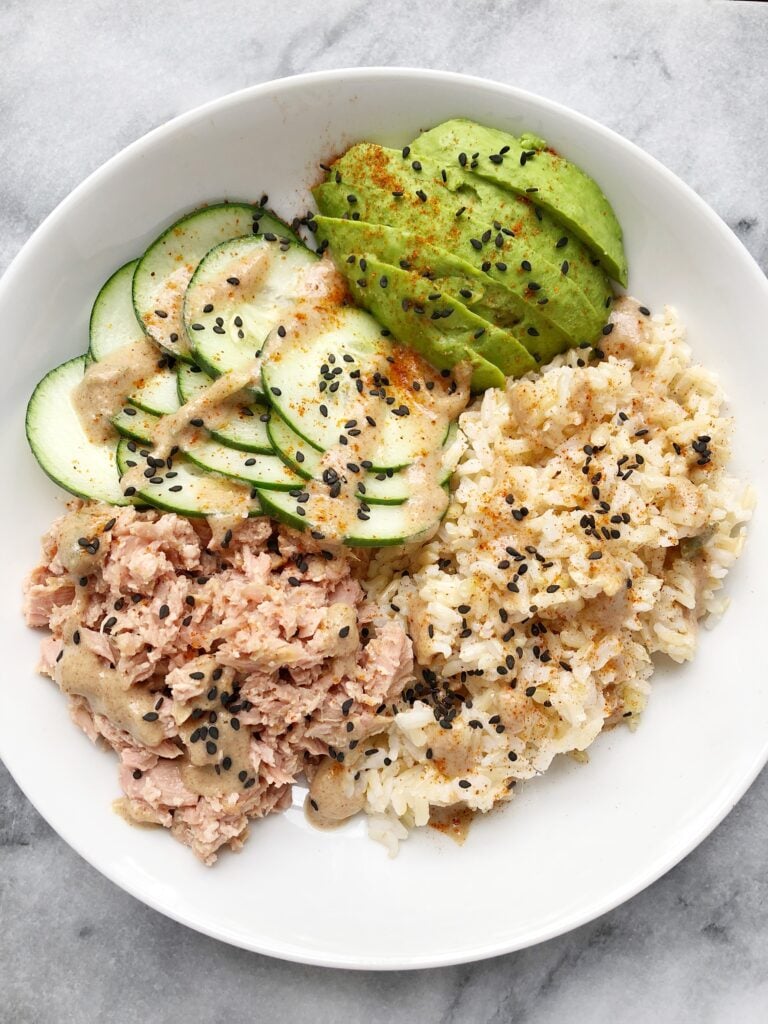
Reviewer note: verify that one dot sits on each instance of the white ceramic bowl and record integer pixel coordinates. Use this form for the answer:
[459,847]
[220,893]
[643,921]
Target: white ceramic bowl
[573,844]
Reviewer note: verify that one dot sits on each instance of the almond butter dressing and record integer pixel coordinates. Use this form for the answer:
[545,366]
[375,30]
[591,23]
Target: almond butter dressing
[327,804]
[453,821]
[105,386]
[217,758]
[249,271]
[81,549]
[108,692]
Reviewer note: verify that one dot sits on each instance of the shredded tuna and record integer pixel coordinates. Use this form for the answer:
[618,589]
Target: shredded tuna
[277,625]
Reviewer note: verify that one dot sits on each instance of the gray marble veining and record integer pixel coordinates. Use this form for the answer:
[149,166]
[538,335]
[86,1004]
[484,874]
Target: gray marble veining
[79,79]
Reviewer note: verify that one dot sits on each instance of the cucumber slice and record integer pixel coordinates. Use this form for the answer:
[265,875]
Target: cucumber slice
[135,424]
[240,291]
[113,319]
[263,470]
[60,444]
[114,326]
[189,490]
[347,352]
[164,271]
[299,456]
[191,382]
[244,428]
[385,525]
[388,487]
[159,395]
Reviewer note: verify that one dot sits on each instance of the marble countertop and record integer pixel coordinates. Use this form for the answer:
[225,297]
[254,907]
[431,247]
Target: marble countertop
[79,79]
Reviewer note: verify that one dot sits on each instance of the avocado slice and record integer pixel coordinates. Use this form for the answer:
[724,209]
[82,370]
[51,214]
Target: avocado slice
[442,330]
[527,166]
[537,236]
[534,280]
[449,275]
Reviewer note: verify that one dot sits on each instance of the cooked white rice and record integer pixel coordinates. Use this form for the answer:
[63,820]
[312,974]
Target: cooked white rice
[535,610]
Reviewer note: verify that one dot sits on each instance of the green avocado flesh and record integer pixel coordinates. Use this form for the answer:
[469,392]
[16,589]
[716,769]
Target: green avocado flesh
[447,275]
[443,331]
[527,232]
[498,257]
[527,166]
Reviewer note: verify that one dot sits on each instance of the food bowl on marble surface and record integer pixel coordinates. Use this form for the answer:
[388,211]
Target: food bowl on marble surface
[578,841]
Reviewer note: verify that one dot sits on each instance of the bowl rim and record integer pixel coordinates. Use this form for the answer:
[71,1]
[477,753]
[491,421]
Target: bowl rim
[690,837]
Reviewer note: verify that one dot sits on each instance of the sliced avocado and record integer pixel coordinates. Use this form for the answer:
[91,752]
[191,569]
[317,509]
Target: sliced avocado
[533,279]
[524,165]
[490,206]
[442,330]
[449,275]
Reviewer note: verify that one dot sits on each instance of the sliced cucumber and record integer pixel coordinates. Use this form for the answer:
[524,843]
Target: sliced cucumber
[380,525]
[349,354]
[135,424]
[241,290]
[244,427]
[60,444]
[159,395]
[185,488]
[263,470]
[387,487]
[113,318]
[114,326]
[301,457]
[164,271]
[191,381]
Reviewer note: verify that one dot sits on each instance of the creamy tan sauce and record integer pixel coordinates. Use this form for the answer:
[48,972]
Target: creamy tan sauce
[134,815]
[105,386]
[84,525]
[108,692]
[454,821]
[327,805]
[169,300]
[453,750]
[250,272]
[233,745]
